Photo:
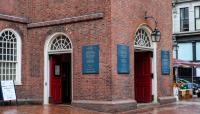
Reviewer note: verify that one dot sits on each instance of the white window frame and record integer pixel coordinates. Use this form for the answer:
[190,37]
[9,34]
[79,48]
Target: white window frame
[19,49]
[184,19]
[196,16]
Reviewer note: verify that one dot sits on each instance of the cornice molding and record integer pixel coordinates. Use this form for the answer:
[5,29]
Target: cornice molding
[14,18]
[67,20]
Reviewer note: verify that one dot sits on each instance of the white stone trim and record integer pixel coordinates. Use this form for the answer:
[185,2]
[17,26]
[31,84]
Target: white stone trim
[153,49]
[154,71]
[46,65]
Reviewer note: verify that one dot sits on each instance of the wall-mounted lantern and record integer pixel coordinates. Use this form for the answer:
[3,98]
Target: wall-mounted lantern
[155,35]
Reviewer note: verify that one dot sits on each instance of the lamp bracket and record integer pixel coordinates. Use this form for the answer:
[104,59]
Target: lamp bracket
[151,17]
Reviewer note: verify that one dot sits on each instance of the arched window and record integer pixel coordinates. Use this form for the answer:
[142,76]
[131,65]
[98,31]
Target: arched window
[60,44]
[10,55]
[142,39]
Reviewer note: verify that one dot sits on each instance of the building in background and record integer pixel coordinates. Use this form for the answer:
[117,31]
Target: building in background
[186,33]
[96,54]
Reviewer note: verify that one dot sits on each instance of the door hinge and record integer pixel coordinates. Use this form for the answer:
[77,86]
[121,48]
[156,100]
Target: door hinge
[152,76]
[152,97]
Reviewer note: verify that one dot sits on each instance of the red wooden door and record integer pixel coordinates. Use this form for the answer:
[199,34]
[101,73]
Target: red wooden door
[56,80]
[143,79]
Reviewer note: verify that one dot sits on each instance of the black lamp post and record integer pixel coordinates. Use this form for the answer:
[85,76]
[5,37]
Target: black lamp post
[155,35]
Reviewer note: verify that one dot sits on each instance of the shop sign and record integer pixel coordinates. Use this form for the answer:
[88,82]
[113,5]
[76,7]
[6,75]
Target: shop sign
[123,59]
[165,56]
[90,59]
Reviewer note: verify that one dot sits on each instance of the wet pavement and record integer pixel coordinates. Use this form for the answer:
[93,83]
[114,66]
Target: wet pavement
[39,109]
[183,107]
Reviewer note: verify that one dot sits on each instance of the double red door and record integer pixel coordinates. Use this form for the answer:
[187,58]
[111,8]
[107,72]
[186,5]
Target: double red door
[143,78]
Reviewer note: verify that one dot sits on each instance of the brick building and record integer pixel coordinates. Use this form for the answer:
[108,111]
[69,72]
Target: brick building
[67,51]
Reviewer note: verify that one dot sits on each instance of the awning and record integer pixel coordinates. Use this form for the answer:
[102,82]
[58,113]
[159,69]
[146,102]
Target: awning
[183,63]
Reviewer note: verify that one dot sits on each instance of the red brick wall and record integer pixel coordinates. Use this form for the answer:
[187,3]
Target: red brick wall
[43,10]
[85,87]
[126,16]
[23,91]
[14,7]
[122,18]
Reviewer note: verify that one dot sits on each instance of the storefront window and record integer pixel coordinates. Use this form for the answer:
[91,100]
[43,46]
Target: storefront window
[185,51]
[184,72]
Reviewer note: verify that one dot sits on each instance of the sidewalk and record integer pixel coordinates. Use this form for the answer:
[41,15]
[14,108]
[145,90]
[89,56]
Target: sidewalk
[39,109]
[183,107]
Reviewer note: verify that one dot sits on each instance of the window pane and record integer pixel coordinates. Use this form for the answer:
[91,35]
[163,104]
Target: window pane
[4,57]
[4,72]
[185,25]
[1,51]
[174,53]
[184,14]
[197,12]
[198,24]
[183,72]
[15,58]
[198,50]
[4,51]
[183,48]
[198,72]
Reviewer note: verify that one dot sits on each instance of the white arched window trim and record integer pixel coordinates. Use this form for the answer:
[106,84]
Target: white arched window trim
[60,43]
[19,53]
[143,38]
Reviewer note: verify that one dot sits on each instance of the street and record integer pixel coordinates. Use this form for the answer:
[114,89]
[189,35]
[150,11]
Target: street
[182,107]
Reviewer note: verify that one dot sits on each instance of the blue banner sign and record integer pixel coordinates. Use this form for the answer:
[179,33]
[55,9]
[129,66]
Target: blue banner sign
[165,55]
[90,59]
[123,59]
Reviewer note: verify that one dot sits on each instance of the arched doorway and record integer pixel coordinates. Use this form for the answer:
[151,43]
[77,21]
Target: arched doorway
[58,69]
[145,66]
